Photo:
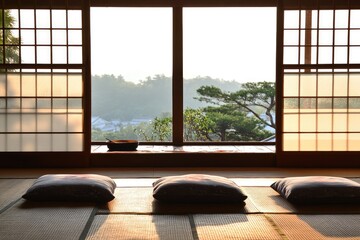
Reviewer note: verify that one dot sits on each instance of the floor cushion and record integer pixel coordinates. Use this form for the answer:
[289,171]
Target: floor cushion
[318,189]
[197,188]
[72,187]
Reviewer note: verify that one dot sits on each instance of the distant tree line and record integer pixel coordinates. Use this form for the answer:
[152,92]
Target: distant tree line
[115,98]
[214,110]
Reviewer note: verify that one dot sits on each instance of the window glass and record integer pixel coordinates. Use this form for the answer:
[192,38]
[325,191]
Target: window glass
[131,56]
[229,73]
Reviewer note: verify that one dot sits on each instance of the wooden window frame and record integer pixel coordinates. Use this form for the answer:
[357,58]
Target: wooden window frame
[86,159]
[174,159]
[311,158]
[74,158]
[177,61]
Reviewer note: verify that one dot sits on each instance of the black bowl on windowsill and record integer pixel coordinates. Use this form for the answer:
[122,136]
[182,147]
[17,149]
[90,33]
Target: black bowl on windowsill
[122,145]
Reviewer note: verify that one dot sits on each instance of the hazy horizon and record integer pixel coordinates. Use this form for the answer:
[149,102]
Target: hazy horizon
[139,43]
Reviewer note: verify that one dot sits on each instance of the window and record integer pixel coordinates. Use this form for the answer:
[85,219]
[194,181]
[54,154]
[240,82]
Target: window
[63,63]
[131,73]
[229,53]
[132,80]
[321,80]
[41,81]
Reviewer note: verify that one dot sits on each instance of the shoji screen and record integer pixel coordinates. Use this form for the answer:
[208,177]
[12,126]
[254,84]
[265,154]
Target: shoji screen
[41,76]
[321,77]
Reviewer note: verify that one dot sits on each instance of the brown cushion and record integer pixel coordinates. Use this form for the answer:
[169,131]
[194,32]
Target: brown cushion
[72,187]
[318,189]
[197,188]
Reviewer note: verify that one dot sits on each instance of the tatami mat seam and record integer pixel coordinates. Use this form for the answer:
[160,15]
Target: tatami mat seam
[133,213]
[9,205]
[193,227]
[257,209]
[276,227]
[88,224]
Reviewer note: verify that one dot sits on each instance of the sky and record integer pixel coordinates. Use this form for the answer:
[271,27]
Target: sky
[218,42]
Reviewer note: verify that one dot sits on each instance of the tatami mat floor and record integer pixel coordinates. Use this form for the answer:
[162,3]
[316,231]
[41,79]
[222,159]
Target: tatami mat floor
[135,215]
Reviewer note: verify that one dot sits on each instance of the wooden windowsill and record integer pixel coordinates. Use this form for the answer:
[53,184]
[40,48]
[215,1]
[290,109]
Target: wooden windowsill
[189,149]
[185,156]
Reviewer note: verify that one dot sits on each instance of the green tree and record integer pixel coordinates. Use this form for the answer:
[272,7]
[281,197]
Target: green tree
[160,129]
[197,126]
[231,124]
[208,124]
[191,86]
[11,54]
[253,98]
[114,98]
